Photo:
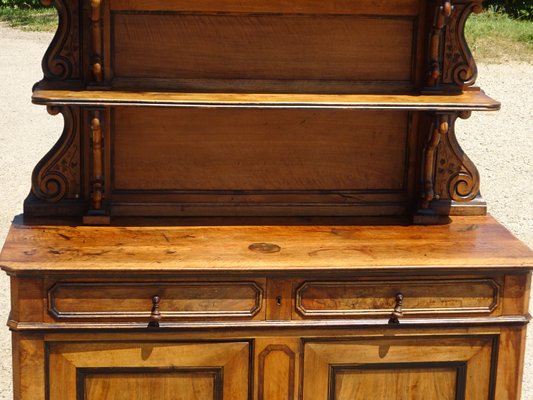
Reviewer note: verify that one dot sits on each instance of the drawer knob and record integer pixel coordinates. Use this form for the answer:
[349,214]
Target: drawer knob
[155,315]
[397,312]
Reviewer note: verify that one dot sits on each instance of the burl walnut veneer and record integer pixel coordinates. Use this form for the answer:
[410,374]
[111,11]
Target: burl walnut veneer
[263,200]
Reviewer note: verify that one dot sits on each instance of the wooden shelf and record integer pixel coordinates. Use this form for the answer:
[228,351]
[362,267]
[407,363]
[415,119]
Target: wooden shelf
[467,101]
[476,243]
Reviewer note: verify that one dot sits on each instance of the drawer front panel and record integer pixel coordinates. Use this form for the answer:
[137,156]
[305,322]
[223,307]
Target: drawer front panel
[379,298]
[179,300]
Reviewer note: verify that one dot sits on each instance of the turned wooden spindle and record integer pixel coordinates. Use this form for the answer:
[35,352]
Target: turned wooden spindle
[97,194]
[155,315]
[444,12]
[398,311]
[96,40]
[441,128]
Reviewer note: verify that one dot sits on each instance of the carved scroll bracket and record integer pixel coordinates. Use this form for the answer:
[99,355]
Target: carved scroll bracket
[61,60]
[450,180]
[96,40]
[457,176]
[459,67]
[96,215]
[57,175]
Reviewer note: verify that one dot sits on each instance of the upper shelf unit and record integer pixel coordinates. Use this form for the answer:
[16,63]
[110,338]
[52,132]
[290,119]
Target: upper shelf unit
[467,101]
[269,108]
[263,46]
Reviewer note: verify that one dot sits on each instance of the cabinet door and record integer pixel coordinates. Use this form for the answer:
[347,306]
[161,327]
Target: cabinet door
[144,371]
[423,368]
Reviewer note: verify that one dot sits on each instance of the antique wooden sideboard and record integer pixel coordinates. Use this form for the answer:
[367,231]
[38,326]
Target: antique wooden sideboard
[263,200]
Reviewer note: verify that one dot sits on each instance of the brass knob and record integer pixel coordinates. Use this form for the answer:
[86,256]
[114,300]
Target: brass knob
[155,315]
[397,312]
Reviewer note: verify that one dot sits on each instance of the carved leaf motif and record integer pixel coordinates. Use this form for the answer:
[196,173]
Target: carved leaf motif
[57,175]
[61,60]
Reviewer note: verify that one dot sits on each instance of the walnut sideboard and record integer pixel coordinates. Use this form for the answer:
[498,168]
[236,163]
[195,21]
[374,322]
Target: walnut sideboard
[263,200]
[309,312]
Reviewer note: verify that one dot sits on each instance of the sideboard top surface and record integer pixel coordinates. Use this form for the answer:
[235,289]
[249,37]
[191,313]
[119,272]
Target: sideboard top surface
[474,242]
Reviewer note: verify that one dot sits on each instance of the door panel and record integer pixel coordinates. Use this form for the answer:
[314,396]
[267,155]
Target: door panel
[164,371]
[400,368]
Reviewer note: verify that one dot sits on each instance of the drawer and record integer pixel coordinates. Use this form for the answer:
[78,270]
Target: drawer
[378,298]
[178,300]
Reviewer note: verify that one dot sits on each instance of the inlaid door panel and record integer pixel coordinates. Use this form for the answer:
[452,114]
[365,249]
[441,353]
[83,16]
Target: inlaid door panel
[458,368]
[277,372]
[163,371]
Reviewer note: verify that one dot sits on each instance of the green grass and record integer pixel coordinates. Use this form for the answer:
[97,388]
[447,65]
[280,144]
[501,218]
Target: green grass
[493,37]
[41,20]
[496,38]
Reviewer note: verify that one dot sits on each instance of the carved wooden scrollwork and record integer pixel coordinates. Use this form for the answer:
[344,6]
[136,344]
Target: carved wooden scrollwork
[450,180]
[457,178]
[57,175]
[61,60]
[459,67]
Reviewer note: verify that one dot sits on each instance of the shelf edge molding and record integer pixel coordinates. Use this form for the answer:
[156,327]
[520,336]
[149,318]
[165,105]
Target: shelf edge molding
[467,101]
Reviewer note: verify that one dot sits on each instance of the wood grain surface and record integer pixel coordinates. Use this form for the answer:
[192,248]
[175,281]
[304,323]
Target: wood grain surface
[383,7]
[288,47]
[243,150]
[425,368]
[150,370]
[474,242]
[470,100]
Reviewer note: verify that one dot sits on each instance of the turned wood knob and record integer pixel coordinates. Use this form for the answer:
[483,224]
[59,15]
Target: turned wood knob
[397,312]
[155,315]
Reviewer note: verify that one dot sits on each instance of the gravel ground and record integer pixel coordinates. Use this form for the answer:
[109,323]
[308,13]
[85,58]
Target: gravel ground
[500,144]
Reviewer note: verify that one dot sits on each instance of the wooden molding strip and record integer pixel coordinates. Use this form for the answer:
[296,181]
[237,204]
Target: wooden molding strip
[470,100]
[233,325]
